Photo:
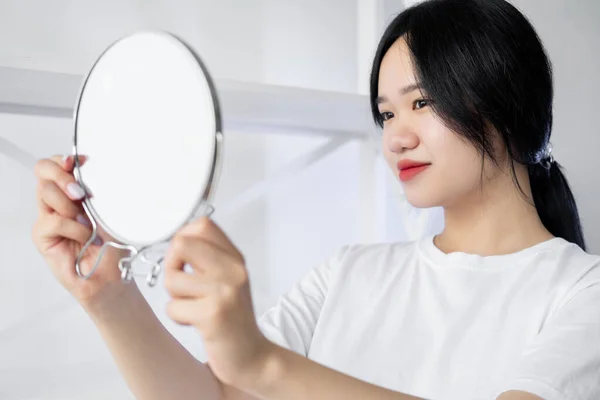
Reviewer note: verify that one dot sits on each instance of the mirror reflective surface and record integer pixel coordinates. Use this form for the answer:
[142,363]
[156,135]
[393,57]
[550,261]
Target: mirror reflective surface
[148,121]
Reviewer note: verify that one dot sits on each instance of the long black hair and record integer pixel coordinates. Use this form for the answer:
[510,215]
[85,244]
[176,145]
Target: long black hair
[485,69]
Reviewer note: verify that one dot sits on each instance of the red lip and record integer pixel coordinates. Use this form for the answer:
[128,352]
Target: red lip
[406,164]
[410,168]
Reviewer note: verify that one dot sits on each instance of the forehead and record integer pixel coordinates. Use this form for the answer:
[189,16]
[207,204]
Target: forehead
[396,68]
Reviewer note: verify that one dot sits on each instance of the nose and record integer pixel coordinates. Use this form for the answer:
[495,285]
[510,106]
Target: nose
[400,137]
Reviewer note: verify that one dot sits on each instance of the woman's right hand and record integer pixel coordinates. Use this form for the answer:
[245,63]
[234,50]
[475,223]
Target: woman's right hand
[62,229]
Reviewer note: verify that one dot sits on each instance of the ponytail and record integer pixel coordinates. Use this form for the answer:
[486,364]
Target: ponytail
[555,202]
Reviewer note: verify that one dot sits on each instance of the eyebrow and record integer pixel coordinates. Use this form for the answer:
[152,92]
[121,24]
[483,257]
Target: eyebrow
[404,91]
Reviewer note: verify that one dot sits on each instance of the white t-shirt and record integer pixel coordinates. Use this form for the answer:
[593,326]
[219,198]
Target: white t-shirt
[410,318]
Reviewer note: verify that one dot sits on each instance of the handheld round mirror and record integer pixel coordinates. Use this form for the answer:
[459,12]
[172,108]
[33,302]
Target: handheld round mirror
[148,120]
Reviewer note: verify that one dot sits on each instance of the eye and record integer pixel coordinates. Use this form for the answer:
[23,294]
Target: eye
[386,115]
[418,104]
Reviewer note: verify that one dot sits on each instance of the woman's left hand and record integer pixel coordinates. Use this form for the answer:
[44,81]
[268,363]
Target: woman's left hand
[215,299]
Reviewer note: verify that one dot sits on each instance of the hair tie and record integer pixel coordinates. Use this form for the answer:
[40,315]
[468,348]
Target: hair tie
[547,158]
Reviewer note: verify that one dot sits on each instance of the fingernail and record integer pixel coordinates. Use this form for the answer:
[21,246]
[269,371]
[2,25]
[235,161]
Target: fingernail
[98,241]
[75,191]
[83,220]
[65,158]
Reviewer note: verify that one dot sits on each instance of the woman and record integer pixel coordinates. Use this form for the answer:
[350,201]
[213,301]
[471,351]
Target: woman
[504,303]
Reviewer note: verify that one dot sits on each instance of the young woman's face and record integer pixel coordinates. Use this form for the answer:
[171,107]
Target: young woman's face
[413,133]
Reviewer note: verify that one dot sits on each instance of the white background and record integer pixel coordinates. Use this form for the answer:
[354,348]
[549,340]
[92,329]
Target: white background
[49,349]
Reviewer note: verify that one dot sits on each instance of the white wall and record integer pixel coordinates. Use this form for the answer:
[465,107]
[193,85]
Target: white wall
[313,212]
[259,40]
[67,35]
[291,31]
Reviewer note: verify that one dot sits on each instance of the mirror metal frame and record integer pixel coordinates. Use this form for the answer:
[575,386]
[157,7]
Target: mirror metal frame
[126,264]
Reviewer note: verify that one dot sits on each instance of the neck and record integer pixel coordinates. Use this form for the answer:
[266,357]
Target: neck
[497,220]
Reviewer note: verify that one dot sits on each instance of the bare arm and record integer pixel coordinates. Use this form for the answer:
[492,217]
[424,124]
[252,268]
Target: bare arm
[154,364]
[288,375]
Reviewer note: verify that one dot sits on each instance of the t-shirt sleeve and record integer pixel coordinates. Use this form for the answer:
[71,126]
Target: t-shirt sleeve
[563,361]
[292,321]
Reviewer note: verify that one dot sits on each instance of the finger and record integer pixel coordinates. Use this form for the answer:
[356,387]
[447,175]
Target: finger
[54,226]
[69,165]
[53,199]
[206,229]
[184,311]
[204,257]
[67,162]
[183,285]
[42,206]
[48,170]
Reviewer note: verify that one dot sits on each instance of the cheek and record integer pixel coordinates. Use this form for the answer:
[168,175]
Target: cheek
[460,167]
[438,139]
[446,147]
[457,164]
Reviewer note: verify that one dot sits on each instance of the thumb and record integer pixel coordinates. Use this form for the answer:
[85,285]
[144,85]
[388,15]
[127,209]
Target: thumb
[206,229]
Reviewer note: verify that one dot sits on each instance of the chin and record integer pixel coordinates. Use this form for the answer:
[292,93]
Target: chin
[421,198]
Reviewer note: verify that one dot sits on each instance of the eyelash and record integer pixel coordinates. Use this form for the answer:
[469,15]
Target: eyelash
[383,114]
[427,101]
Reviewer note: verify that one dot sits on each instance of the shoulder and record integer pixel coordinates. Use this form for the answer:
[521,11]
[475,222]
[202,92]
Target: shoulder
[573,270]
[573,262]
[572,252]
[562,359]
